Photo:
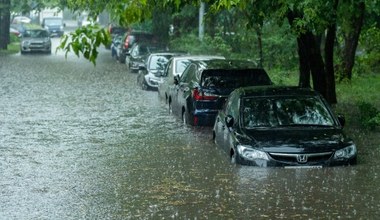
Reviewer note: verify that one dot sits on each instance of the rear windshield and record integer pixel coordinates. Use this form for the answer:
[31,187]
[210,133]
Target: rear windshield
[234,78]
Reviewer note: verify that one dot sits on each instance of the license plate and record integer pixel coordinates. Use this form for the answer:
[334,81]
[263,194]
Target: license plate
[303,167]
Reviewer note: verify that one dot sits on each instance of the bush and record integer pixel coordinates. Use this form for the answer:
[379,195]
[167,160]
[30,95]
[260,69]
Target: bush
[369,115]
[192,44]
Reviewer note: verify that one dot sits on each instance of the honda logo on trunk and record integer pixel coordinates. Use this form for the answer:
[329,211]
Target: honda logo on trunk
[301,158]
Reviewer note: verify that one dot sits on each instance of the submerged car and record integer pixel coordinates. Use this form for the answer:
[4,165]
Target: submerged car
[137,56]
[205,85]
[35,40]
[150,75]
[282,126]
[175,67]
[128,40]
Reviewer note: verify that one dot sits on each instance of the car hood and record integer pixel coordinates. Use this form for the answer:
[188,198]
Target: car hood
[309,140]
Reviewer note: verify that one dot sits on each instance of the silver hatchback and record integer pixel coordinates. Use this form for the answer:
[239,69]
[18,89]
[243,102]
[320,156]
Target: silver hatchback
[35,40]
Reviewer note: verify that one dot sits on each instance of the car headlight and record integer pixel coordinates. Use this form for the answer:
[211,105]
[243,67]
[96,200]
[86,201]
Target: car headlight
[249,153]
[346,152]
[25,43]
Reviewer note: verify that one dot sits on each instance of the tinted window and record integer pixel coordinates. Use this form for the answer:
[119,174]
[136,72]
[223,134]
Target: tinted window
[234,78]
[188,73]
[233,106]
[285,111]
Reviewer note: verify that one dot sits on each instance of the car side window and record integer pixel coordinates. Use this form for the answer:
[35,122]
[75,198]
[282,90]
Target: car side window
[135,51]
[187,74]
[233,106]
[168,69]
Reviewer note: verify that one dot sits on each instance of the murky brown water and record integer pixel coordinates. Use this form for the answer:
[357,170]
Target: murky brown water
[84,142]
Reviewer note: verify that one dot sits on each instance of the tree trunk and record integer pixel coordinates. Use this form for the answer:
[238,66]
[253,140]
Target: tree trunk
[260,45]
[304,78]
[329,60]
[351,40]
[4,23]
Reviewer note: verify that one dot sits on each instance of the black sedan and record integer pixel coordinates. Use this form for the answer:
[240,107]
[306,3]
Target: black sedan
[282,126]
[205,84]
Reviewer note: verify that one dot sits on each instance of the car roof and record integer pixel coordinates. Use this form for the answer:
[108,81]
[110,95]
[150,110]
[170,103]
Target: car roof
[274,90]
[198,57]
[226,64]
[158,53]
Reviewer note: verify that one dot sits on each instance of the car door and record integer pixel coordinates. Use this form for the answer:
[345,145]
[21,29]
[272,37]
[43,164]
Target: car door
[231,112]
[180,89]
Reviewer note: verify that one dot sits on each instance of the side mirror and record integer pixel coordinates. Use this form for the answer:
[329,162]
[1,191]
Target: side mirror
[176,80]
[342,120]
[229,121]
[142,67]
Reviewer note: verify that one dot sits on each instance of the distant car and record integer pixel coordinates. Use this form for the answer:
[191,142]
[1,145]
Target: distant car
[116,41]
[54,25]
[282,126]
[150,75]
[19,27]
[116,34]
[21,19]
[35,40]
[136,57]
[175,67]
[205,85]
[128,40]
[14,32]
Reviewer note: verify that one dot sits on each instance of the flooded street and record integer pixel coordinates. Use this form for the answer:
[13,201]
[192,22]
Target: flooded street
[85,142]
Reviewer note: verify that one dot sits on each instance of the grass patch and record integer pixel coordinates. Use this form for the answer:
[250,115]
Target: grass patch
[12,49]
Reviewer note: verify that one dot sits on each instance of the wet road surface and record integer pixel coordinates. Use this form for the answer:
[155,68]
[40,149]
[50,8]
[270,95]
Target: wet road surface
[84,142]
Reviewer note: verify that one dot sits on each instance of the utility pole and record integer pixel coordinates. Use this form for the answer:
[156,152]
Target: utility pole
[201,23]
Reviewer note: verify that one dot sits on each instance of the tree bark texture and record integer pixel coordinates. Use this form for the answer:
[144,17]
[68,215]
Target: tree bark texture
[329,59]
[4,23]
[351,40]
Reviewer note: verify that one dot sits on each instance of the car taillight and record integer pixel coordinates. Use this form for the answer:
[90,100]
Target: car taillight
[199,95]
[126,43]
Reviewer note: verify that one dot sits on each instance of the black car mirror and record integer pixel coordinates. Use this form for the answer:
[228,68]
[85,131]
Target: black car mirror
[141,67]
[342,120]
[229,121]
[176,80]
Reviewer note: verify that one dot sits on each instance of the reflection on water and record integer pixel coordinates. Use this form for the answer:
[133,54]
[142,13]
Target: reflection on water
[84,142]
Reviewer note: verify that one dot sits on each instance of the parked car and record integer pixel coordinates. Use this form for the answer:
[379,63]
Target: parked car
[204,86]
[116,33]
[19,27]
[175,67]
[35,40]
[129,39]
[21,19]
[15,32]
[136,57]
[54,25]
[115,43]
[151,73]
[282,126]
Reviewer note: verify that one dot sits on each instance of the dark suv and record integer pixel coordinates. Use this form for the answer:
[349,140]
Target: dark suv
[54,25]
[130,38]
[205,85]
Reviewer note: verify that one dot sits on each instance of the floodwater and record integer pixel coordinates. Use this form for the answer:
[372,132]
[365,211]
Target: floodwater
[84,142]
